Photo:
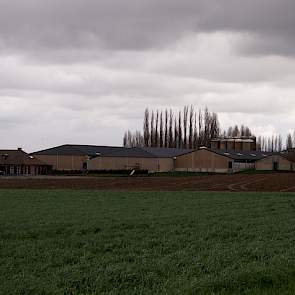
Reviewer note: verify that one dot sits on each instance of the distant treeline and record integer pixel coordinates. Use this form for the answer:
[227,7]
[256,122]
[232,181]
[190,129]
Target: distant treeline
[270,144]
[192,128]
[188,128]
[275,143]
[183,129]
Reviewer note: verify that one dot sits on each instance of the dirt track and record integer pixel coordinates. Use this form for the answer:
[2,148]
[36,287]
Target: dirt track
[283,182]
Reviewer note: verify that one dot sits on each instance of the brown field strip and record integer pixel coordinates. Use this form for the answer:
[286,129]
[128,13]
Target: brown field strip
[280,182]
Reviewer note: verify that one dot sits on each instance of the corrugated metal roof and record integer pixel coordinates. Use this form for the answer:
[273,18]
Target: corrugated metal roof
[290,156]
[143,152]
[242,155]
[166,152]
[93,151]
[130,152]
[78,150]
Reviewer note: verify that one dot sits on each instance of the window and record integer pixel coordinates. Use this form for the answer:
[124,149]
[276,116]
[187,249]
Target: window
[230,165]
[18,170]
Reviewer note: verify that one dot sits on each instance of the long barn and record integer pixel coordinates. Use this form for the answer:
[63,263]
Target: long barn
[218,161]
[105,158]
[90,157]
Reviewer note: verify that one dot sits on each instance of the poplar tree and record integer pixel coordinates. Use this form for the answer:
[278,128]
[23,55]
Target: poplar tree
[161,130]
[191,122]
[166,129]
[170,135]
[185,114]
[157,129]
[179,130]
[146,128]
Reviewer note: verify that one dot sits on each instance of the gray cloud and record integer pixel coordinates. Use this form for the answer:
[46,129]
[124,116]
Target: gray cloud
[136,25]
[82,71]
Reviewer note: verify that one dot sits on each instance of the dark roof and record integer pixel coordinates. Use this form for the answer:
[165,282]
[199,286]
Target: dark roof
[242,155]
[290,156]
[78,150]
[18,157]
[130,152]
[166,152]
[107,151]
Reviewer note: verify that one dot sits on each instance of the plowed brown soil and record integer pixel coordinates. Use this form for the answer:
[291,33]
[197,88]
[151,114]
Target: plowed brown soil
[276,182]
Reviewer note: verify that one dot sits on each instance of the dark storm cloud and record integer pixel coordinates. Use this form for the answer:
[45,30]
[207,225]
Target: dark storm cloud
[131,24]
[82,71]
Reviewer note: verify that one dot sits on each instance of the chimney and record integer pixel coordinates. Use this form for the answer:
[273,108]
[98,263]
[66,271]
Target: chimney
[19,149]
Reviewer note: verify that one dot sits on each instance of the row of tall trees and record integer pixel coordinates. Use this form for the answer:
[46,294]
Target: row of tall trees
[133,139]
[188,128]
[192,128]
[237,131]
[275,143]
[270,144]
[290,141]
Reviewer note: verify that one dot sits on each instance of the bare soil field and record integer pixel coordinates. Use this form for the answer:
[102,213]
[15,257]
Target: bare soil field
[276,182]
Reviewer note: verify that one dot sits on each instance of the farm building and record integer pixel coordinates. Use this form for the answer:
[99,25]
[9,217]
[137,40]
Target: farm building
[218,161]
[243,143]
[71,157]
[277,162]
[86,157]
[105,158]
[17,162]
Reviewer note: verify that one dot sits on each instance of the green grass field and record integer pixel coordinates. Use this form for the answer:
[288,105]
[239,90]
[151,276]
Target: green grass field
[87,242]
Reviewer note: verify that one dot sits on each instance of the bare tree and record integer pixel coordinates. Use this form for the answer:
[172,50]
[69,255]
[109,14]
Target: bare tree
[175,141]
[230,132]
[152,133]
[289,141]
[171,129]
[185,114]
[272,146]
[280,143]
[195,141]
[138,140]
[236,131]
[179,130]
[146,128]
[191,130]
[248,132]
[157,129]
[161,130]
[125,139]
[201,131]
[166,129]
[214,127]
[259,143]
[207,124]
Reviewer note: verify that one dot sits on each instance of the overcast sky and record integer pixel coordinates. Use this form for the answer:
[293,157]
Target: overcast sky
[83,71]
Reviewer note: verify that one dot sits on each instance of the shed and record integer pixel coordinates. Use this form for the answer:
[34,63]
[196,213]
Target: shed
[218,161]
[277,162]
